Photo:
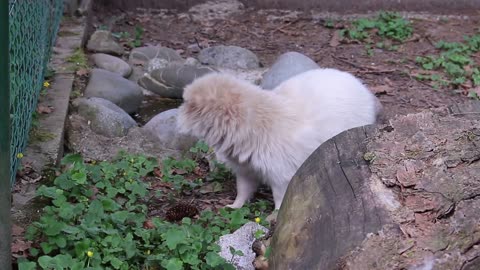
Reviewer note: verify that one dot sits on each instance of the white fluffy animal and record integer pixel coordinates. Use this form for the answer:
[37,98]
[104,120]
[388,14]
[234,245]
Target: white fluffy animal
[266,135]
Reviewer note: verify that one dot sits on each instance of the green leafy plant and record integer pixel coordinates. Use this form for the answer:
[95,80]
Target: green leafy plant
[137,41]
[98,219]
[454,63]
[390,27]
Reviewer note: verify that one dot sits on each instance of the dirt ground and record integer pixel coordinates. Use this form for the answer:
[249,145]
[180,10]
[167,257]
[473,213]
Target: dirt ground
[271,33]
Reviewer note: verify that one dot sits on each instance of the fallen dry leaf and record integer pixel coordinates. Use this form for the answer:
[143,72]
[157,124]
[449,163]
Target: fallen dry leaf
[44,109]
[158,172]
[336,39]
[381,89]
[148,224]
[82,72]
[20,246]
[179,171]
[388,81]
[17,230]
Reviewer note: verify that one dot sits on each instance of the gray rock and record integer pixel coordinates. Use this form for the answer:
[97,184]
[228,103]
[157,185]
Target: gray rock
[112,63]
[141,55]
[113,87]
[170,81]
[193,48]
[164,127]
[232,57]
[286,66]
[190,61]
[156,63]
[105,117]
[242,239]
[80,138]
[137,73]
[102,41]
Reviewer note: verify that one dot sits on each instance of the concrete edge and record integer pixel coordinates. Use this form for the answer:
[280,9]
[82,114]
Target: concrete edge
[49,151]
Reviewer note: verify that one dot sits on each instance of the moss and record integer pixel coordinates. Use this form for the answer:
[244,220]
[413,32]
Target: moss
[37,135]
[78,60]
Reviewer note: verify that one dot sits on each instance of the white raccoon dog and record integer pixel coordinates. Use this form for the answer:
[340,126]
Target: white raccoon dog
[264,136]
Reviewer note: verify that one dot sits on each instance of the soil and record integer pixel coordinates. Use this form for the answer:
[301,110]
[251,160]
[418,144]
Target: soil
[271,33]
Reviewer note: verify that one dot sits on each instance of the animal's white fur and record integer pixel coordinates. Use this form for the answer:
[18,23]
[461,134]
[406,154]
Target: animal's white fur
[266,135]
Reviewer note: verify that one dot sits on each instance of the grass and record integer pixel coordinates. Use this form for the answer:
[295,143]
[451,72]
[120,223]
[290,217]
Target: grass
[454,64]
[98,218]
[78,60]
[385,31]
[38,135]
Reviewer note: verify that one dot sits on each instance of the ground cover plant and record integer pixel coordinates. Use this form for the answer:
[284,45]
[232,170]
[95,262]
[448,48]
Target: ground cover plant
[98,218]
[386,30]
[454,65]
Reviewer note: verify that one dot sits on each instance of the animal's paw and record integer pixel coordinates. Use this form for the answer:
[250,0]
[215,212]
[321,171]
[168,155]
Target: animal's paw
[234,205]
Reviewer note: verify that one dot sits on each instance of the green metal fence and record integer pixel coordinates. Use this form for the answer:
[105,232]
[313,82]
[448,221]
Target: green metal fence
[33,26]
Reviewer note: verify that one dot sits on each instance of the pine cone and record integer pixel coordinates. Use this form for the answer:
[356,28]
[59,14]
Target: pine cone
[181,210]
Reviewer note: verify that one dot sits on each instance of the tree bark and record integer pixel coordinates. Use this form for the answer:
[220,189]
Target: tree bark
[398,196]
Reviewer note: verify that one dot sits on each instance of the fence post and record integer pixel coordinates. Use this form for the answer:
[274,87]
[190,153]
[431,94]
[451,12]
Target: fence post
[5,185]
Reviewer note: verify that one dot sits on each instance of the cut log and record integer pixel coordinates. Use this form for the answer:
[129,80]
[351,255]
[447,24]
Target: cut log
[395,196]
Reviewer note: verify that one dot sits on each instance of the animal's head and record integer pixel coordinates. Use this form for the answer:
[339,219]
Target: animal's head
[213,107]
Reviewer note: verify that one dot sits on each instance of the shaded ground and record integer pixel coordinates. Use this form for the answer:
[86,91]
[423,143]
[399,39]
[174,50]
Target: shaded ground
[271,33]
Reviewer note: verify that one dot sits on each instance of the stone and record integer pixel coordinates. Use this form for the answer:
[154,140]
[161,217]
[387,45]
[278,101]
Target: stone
[80,138]
[141,55]
[137,73]
[102,41]
[113,87]
[232,57]
[286,66]
[164,128]
[242,240]
[105,118]
[193,48]
[169,81]
[190,61]
[112,63]
[156,63]
[214,10]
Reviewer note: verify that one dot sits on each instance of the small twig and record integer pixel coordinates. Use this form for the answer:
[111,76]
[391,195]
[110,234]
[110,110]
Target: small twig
[280,28]
[347,62]
[400,252]
[378,71]
[364,69]
[198,43]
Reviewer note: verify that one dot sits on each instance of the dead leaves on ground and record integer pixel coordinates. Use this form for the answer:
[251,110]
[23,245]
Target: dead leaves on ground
[42,109]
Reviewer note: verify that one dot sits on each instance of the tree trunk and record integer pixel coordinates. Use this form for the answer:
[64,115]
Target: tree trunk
[396,196]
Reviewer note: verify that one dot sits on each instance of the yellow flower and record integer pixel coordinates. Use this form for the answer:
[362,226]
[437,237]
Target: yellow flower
[148,252]
[20,155]
[46,84]
[257,220]
[90,253]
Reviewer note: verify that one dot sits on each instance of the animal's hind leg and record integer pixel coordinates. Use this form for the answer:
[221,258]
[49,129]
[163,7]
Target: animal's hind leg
[247,184]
